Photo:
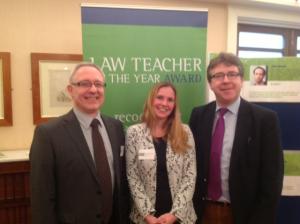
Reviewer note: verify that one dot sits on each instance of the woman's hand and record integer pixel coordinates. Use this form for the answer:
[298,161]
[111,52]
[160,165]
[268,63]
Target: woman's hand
[167,218]
[150,219]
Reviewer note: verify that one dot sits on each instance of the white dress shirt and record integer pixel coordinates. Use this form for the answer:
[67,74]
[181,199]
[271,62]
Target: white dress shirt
[230,119]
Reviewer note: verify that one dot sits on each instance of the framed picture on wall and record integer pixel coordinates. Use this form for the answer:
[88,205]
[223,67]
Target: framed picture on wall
[50,76]
[5,90]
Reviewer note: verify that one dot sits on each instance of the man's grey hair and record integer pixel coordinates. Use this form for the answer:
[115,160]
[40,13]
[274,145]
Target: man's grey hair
[85,64]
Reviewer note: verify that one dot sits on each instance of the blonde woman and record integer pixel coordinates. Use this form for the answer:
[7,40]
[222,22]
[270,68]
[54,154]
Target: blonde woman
[161,167]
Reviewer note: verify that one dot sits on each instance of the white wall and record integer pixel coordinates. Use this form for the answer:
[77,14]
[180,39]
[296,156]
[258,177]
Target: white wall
[54,26]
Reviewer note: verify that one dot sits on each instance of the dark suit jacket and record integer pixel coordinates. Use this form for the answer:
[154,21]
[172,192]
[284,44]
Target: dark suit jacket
[256,164]
[64,184]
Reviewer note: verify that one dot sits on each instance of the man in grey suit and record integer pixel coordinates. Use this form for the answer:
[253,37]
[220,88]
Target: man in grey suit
[65,184]
[246,187]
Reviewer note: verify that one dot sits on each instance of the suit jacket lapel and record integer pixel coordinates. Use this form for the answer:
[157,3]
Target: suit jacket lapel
[73,127]
[243,131]
[209,116]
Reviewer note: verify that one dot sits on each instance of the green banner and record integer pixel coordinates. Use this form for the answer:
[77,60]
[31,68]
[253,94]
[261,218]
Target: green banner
[136,56]
[292,163]
[291,184]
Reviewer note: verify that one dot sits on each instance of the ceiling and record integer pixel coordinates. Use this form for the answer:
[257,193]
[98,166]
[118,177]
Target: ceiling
[285,4]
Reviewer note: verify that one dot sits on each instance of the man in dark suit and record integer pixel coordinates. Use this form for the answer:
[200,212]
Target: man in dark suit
[65,184]
[250,172]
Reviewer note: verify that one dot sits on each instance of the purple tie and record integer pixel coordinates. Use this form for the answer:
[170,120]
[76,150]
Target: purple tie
[214,181]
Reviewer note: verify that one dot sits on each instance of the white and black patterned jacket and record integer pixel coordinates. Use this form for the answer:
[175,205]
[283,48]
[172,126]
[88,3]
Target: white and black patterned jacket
[141,175]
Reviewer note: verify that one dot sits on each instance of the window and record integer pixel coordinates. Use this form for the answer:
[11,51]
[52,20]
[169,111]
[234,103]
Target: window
[298,45]
[268,42]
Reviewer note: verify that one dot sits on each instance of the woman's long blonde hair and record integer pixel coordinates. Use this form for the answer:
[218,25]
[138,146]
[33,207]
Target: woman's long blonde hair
[175,132]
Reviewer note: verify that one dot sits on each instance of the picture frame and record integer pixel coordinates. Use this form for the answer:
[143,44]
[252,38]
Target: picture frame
[5,90]
[50,76]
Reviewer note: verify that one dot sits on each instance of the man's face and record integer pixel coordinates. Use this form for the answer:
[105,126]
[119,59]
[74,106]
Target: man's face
[259,76]
[87,99]
[226,90]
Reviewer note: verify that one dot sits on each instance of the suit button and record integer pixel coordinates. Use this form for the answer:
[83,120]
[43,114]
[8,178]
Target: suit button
[204,180]
[203,198]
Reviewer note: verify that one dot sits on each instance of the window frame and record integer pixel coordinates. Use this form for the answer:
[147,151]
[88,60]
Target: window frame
[297,34]
[289,36]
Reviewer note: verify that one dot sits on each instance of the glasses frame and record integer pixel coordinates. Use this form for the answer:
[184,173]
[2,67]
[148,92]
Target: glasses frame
[220,76]
[78,84]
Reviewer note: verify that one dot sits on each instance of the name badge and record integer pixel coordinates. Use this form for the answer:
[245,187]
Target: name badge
[122,150]
[146,154]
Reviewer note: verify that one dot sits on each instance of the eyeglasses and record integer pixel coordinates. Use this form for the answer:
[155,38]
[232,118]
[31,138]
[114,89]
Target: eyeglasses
[221,75]
[88,84]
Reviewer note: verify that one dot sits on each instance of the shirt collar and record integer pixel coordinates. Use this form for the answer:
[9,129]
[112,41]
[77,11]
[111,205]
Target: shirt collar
[84,119]
[234,107]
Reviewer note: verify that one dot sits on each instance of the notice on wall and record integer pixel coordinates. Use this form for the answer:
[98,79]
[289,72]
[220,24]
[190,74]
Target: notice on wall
[272,80]
[291,183]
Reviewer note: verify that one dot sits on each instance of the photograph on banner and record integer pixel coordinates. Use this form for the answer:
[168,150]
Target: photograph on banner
[272,79]
[291,183]
[258,75]
[138,47]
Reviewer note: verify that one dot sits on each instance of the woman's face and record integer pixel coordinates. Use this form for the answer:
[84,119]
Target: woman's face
[164,103]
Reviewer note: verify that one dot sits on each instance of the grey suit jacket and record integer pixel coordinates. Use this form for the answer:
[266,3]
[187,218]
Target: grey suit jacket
[256,164]
[64,184]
